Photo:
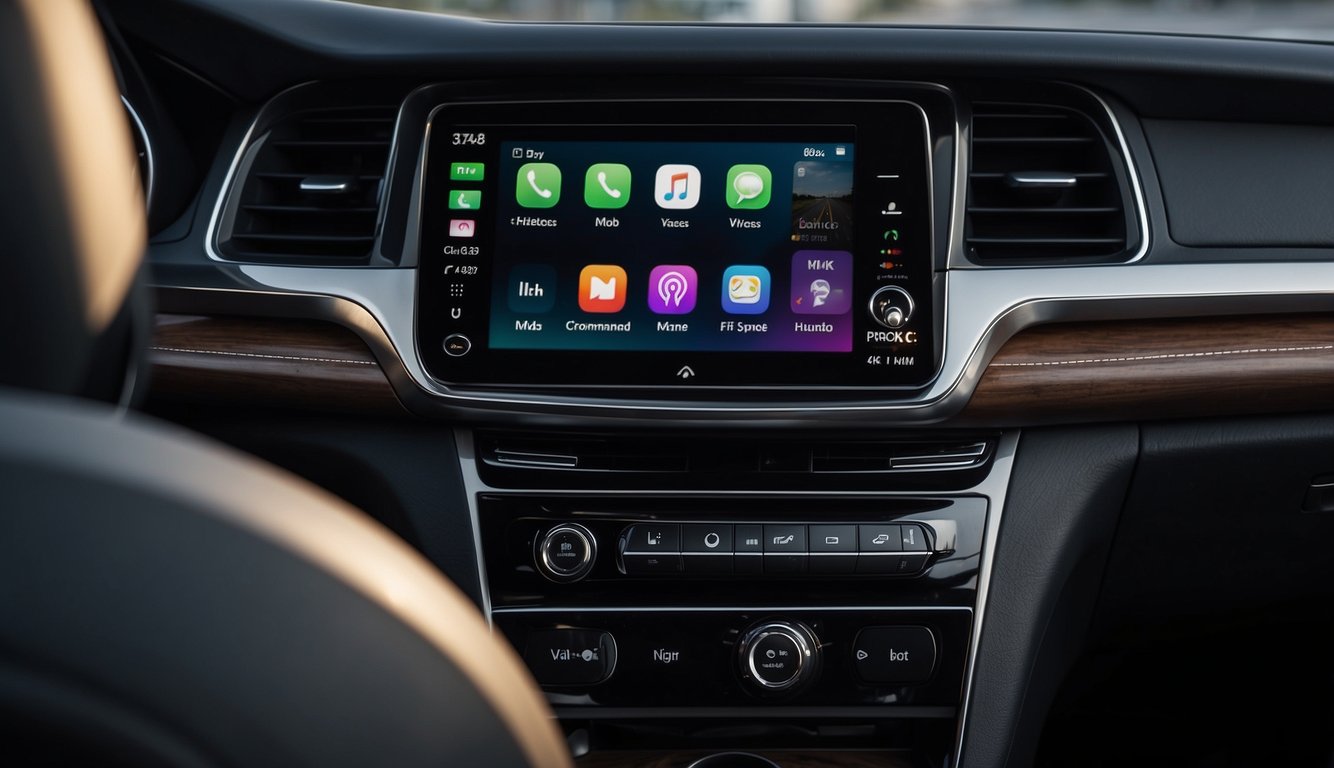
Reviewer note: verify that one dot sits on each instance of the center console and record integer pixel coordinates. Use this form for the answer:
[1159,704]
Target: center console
[790,596]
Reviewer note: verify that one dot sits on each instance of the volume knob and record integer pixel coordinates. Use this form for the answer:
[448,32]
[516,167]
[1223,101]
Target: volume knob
[779,657]
[891,306]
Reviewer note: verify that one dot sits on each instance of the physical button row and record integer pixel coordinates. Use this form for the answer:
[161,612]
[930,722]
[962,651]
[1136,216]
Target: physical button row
[750,548]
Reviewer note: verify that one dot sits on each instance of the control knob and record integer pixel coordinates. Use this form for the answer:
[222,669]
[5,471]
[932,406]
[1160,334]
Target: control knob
[891,306]
[778,657]
[566,553]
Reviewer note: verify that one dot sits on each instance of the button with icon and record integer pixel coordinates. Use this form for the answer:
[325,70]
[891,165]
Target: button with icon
[746,289]
[537,185]
[676,186]
[707,547]
[602,288]
[465,199]
[748,187]
[672,289]
[607,186]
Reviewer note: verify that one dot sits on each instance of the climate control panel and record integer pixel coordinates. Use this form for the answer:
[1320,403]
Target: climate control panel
[807,656]
[763,601]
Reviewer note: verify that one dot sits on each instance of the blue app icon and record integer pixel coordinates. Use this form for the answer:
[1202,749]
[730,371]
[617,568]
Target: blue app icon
[746,289]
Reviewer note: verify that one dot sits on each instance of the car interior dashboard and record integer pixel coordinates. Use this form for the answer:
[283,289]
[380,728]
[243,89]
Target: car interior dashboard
[825,395]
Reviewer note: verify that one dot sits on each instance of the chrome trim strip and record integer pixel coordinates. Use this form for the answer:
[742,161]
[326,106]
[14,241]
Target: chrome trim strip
[736,609]
[994,488]
[864,711]
[1131,170]
[224,192]
[148,151]
[987,307]
[473,487]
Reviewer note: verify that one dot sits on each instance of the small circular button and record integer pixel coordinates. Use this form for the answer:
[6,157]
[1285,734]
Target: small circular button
[891,306]
[776,659]
[457,345]
[779,657]
[566,553]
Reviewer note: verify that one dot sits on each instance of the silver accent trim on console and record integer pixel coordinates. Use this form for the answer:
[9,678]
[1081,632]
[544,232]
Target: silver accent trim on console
[736,609]
[148,151]
[994,488]
[472,488]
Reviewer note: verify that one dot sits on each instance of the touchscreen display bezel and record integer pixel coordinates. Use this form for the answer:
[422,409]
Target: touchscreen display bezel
[458,279]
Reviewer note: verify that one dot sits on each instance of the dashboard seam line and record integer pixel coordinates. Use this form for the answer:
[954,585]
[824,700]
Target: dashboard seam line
[1165,356]
[261,356]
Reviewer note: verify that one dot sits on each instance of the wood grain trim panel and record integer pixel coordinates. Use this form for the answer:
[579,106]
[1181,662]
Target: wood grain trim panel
[1158,369]
[273,362]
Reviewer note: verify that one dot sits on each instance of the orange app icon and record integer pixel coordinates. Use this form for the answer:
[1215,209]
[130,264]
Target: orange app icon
[602,288]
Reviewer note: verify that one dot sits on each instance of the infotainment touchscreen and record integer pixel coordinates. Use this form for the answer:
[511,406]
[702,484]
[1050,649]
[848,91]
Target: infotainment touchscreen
[652,244]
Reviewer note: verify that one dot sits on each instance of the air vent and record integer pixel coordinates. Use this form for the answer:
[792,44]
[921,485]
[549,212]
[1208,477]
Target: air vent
[311,193]
[1043,188]
[732,459]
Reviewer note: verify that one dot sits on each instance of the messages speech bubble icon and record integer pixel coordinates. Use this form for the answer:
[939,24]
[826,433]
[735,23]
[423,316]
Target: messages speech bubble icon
[748,187]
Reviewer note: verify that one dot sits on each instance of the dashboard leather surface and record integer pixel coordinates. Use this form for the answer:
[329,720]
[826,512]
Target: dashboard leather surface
[1243,184]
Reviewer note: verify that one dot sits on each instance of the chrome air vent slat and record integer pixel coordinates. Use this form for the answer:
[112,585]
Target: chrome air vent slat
[313,189]
[1042,188]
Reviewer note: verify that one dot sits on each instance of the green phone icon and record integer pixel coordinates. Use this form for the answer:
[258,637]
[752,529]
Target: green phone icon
[465,199]
[607,185]
[538,185]
[748,186]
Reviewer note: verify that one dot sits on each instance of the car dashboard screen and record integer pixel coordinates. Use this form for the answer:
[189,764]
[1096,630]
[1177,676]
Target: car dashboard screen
[715,246]
[627,253]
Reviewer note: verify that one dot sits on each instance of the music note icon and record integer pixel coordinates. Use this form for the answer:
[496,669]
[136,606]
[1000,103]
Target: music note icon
[676,186]
[681,179]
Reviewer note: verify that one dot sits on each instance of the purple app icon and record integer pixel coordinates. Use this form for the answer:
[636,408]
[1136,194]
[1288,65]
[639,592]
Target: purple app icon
[821,282]
[672,289]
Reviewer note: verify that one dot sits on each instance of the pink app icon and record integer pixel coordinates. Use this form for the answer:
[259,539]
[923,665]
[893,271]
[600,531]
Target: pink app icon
[672,289]
[462,227]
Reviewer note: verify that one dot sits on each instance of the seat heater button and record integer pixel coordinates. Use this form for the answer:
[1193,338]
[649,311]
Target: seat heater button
[914,538]
[653,538]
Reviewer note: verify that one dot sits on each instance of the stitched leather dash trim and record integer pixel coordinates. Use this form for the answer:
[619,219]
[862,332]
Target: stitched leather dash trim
[1170,356]
[262,356]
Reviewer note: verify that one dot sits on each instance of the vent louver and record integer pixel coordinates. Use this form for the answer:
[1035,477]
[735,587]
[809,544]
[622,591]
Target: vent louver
[312,192]
[604,455]
[1043,188]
